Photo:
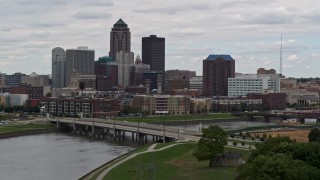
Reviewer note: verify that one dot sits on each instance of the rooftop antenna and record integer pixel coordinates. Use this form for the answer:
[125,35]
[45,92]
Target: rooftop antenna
[281,56]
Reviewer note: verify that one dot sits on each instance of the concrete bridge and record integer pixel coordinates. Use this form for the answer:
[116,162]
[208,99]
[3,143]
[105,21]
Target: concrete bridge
[99,128]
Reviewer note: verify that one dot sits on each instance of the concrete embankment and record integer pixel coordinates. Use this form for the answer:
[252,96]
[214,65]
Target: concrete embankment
[26,132]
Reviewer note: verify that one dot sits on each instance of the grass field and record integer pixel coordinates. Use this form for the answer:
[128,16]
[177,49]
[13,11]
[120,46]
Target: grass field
[298,135]
[176,118]
[176,163]
[21,127]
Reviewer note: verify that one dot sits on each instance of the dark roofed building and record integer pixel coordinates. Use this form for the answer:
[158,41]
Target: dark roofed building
[153,52]
[229,159]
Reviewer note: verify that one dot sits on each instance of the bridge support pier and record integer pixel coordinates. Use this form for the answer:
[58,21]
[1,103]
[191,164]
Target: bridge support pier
[58,123]
[145,138]
[92,130]
[74,128]
[132,136]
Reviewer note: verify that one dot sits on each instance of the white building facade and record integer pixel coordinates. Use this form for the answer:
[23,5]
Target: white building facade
[125,61]
[243,84]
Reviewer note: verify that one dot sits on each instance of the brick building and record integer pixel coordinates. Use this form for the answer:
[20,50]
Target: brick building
[270,101]
[162,104]
[76,106]
[106,71]
[178,79]
[266,71]
[33,92]
[216,71]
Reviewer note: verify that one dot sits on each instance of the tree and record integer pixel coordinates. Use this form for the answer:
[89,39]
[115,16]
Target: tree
[279,166]
[211,143]
[48,94]
[314,135]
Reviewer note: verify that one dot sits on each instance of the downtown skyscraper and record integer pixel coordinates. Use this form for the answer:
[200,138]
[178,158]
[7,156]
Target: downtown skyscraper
[153,52]
[80,60]
[120,38]
[58,67]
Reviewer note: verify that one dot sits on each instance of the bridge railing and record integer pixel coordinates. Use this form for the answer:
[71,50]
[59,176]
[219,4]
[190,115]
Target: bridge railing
[137,125]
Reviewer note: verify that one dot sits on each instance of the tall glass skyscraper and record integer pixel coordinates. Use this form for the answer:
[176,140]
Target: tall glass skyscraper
[58,67]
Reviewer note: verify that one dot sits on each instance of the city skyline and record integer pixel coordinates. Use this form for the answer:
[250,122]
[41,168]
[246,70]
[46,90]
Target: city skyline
[249,31]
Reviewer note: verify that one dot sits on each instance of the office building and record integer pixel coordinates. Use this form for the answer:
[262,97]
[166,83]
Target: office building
[13,80]
[178,79]
[80,60]
[216,71]
[125,61]
[137,70]
[195,83]
[35,80]
[153,52]
[2,80]
[58,68]
[120,38]
[243,84]
[162,104]
[154,79]
[106,70]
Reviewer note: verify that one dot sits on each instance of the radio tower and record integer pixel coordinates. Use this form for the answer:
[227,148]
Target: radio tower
[281,56]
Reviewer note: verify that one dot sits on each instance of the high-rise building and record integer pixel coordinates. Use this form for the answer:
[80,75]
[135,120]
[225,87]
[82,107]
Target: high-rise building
[216,71]
[106,70]
[125,61]
[120,38]
[58,68]
[153,52]
[80,60]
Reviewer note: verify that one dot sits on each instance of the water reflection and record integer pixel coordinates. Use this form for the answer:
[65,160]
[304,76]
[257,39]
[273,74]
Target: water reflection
[54,156]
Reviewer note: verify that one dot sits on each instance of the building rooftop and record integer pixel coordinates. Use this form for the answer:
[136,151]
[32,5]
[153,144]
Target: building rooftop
[219,56]
[105,59]
[120,22]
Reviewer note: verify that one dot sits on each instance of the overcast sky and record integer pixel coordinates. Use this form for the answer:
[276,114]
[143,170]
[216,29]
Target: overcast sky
[248,30]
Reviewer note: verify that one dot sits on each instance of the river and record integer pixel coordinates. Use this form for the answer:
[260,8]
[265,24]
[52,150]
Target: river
[54,156]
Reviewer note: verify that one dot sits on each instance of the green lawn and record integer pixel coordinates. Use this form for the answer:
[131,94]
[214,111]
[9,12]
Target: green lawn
[177,118]
[176,163]
[162,145]
[22,127]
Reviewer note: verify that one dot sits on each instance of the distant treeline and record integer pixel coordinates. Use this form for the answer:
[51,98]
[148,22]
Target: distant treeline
[303,80]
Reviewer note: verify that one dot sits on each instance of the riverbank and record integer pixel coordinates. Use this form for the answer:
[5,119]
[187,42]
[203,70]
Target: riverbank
[15,130]
[172,160]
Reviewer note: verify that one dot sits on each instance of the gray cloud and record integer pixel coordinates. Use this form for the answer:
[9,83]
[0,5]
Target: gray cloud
[249,30]
[91,15]
[40,34]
